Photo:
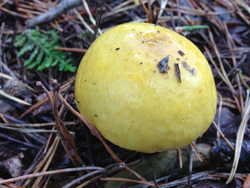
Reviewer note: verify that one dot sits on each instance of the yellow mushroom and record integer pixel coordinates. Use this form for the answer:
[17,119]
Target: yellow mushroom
[146,88]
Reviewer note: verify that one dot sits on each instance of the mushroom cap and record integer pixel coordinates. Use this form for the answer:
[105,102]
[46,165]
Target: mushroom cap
[125,89]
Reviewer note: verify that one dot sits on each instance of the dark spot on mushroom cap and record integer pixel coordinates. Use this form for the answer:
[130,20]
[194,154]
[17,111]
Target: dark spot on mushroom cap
[95,115]
[181,53]
[117,48]
[177,71]
[163,65]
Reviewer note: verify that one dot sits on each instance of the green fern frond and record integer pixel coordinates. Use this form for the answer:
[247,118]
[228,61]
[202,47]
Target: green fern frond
[39,47]
[20,41]
[32,56]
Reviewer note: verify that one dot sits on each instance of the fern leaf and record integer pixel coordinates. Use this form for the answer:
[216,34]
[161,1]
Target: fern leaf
[20,41]
[32,56]
[66,66]
[37,62]
[27,47]
[48,61]
[40,46]
[55,62]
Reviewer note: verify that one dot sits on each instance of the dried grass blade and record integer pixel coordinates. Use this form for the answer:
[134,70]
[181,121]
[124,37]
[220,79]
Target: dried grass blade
[219,115]
[227,81]
[47,164]
[240,137]
[163,5]
[91,18]
[40,165]
[214,64]
[83,22]
[239,12]
[243,4]
[229,42]
[14,98]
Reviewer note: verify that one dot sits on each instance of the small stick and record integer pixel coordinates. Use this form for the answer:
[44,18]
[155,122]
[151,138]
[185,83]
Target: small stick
[50,172]
[4,119]
[78,50]
[197,152]
[180,158]
[223,136]
[190,164]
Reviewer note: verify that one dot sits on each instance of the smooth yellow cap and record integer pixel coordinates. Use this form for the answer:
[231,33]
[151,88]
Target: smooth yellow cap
[121,91]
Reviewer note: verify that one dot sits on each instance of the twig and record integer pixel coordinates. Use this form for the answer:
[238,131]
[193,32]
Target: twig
[13,13]
[223,136]
[89,181]
[4,119]
[172,19]
[1,33]
[10,184]
[180,158]
[82,178]
[50,172]
[51,14]
[190,165]
[98,12]
[71,49]
[197,152]
[127,180]
[18,141]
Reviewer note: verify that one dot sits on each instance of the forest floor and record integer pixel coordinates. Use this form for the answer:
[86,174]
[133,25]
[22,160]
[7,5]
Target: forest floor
[44,142]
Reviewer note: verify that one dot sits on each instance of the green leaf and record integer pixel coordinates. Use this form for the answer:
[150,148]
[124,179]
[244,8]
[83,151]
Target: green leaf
[48,61]
[27,47]
[66,66]
[55,62]
[32,56]
[40,46]
[19,41]
[37,62]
